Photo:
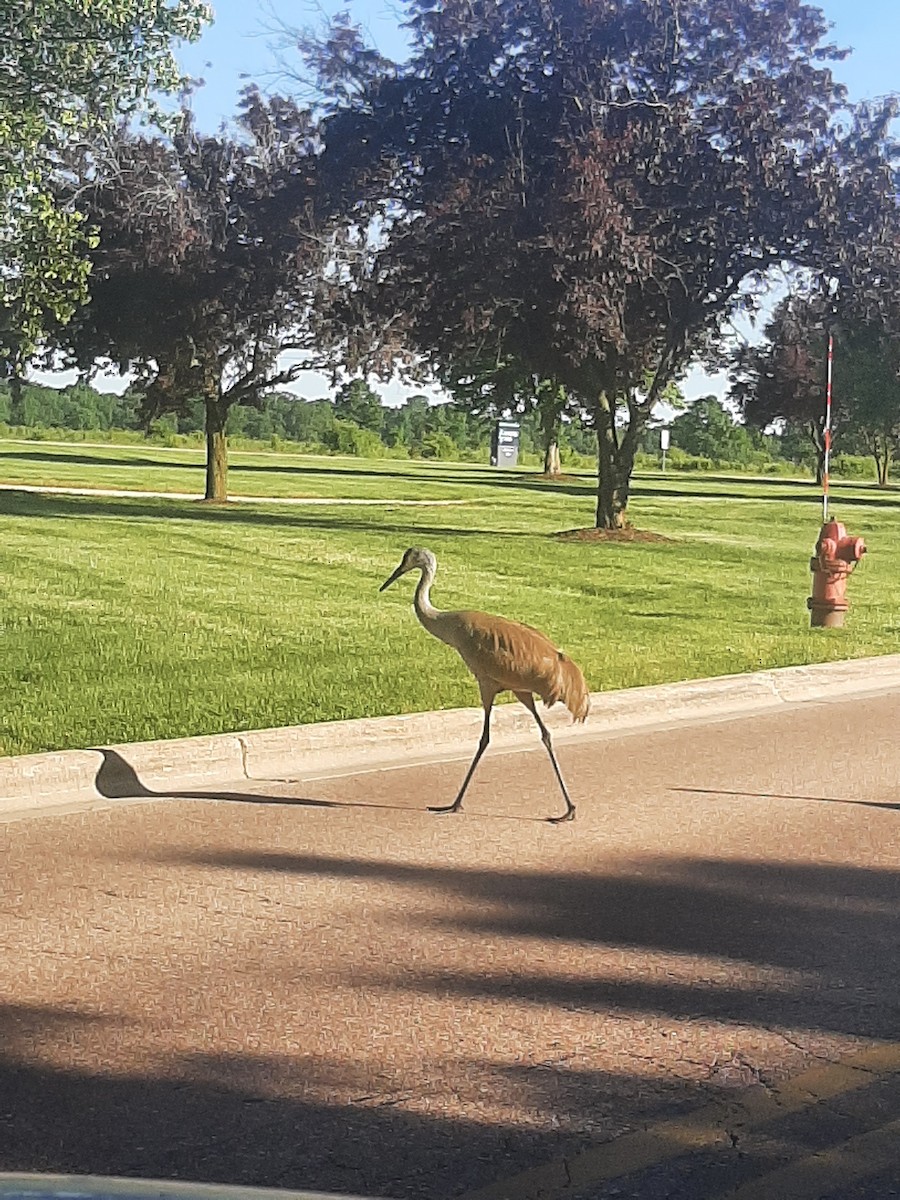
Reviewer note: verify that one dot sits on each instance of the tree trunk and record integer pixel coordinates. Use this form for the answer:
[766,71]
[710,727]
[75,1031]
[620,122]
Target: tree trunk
[15,397]
[551,400]
[216,448]
[613,474]
[883,463]
[817,438]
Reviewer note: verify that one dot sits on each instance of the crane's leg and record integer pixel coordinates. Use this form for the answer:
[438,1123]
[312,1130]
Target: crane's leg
[487,699]
[528,700]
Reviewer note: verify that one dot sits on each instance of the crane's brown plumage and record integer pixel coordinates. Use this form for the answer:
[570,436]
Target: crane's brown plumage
[503,656]
[515,657]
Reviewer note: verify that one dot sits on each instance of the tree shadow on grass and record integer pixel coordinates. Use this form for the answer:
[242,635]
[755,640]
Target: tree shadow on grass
[32,504]
[875,499]
[92,460]
[651,487]
[29,505]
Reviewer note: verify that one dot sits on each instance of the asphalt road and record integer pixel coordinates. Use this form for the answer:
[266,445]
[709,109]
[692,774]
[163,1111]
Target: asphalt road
[693,988]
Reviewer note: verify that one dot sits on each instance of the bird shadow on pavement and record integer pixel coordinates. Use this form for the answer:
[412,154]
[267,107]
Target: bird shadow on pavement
[698,791]
[117,779]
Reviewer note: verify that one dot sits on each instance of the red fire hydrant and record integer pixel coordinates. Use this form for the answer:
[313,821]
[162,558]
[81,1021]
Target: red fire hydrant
[835,557]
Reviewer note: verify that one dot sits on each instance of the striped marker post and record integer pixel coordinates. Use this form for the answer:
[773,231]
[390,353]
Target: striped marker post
[827,463]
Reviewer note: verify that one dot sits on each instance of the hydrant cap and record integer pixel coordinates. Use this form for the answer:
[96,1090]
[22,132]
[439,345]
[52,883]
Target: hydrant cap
[835,544]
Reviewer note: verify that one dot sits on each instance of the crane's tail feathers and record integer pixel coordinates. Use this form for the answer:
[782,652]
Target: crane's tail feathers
[573,692]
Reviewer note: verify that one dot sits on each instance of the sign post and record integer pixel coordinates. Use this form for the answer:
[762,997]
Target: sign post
[505,444]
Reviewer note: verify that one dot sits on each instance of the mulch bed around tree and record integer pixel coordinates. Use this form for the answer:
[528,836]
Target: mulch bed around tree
[628,534]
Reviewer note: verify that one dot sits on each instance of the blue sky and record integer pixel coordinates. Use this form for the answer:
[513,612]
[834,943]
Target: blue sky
[238,47]
[237,44]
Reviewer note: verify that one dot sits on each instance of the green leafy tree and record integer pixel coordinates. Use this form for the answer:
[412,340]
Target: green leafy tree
[408,424]
[208,254]
[306,421]
[708,430]
[356,401]
[867,373]
[586,191]
[782,381]
[67,70]
[76,407]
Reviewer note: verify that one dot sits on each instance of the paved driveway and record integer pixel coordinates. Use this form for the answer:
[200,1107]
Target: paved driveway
[319,984]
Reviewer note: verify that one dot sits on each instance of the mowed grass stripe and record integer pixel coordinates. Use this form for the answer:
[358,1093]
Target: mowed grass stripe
[154,469]
[132,619]
[38,489]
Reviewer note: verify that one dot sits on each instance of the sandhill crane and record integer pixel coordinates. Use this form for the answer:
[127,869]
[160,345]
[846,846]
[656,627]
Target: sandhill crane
[503,656]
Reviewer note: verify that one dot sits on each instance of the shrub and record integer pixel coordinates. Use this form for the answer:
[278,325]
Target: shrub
[853,466]
[439,445]
[346,437]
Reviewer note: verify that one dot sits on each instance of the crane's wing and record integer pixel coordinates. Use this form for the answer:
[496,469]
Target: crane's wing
[515,657]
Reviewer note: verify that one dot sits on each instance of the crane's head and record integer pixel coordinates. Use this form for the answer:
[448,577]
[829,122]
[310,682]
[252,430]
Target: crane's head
[414,558]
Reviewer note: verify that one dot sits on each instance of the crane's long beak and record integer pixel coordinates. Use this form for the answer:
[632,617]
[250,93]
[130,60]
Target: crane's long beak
[401,570]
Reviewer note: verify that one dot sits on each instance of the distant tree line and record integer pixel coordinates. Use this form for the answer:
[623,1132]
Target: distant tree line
[707,435]
[355,422]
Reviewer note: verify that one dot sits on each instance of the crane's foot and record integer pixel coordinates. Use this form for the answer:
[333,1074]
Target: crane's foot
[568,815]
[445,808]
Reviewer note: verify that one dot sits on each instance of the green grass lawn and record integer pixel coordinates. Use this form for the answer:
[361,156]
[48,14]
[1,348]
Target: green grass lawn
[156,469]
[131,619]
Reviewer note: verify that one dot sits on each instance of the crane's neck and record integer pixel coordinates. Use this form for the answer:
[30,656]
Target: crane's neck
[425,610]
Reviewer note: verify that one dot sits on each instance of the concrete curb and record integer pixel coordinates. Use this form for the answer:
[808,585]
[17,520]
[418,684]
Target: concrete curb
[37,782]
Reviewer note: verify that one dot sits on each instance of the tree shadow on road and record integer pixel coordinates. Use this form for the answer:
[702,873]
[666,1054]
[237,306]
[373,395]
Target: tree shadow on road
[284,1121]
[328,1124]
[298,1122]
[825,935]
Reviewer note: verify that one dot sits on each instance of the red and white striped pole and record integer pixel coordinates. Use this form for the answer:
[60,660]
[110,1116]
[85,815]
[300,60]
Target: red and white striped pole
[827,439]
[836,553]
